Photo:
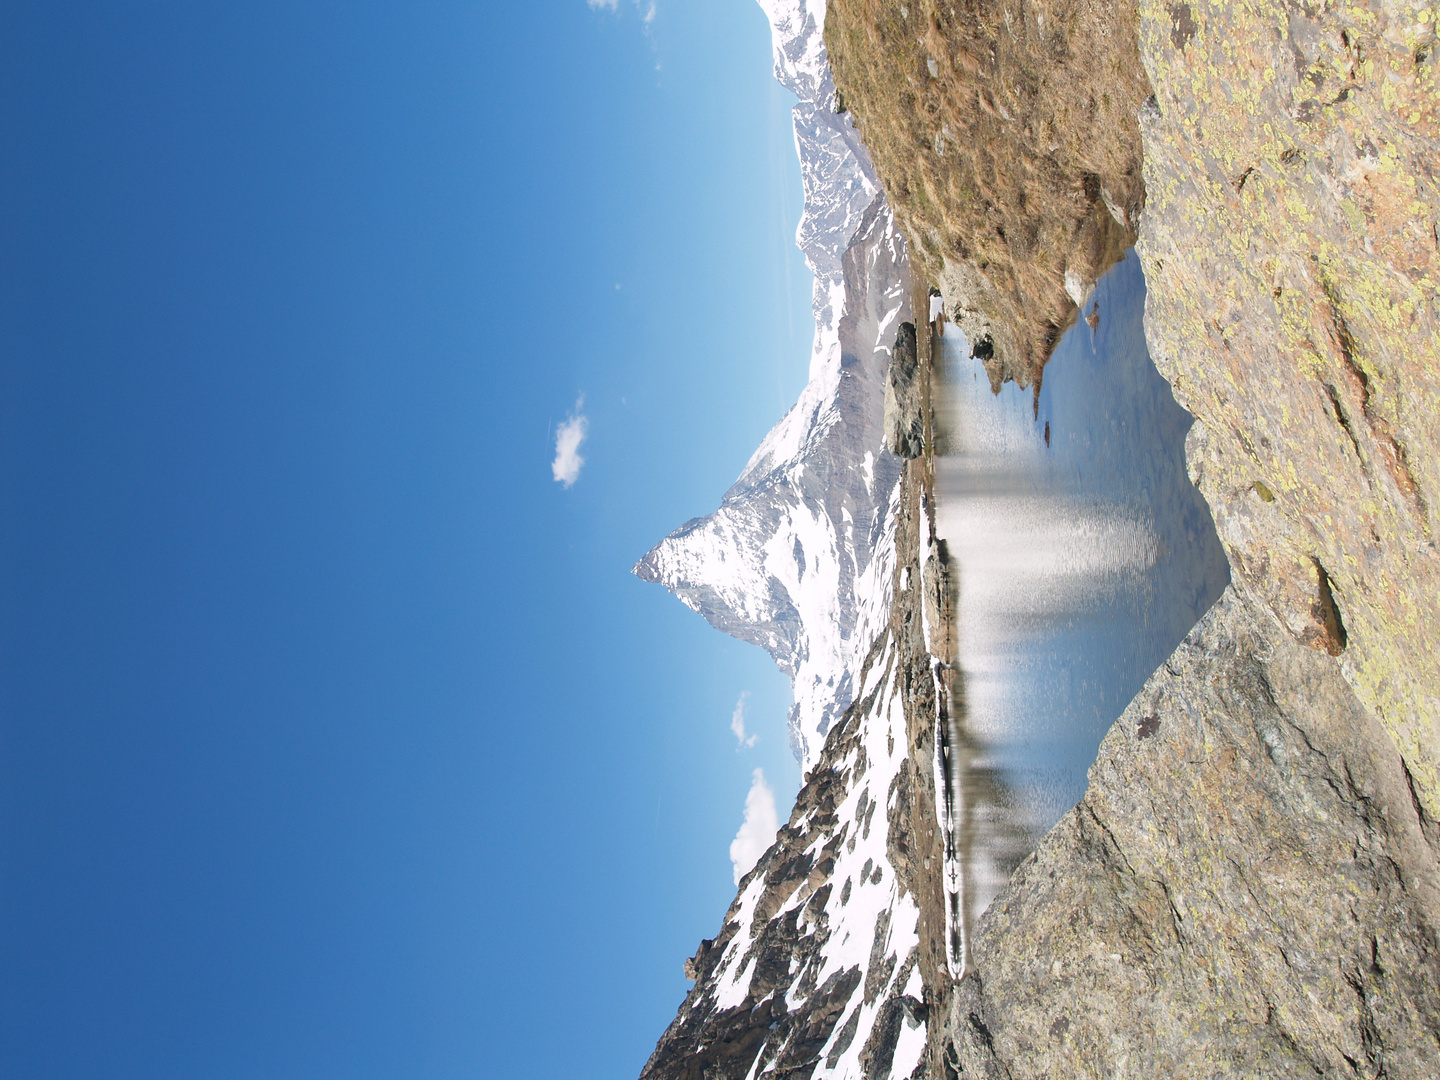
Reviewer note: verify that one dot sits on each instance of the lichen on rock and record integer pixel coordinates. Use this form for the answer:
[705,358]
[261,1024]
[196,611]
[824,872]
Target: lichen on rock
[1293,266]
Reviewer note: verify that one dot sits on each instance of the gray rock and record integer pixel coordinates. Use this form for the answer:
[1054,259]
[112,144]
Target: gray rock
[1248,888]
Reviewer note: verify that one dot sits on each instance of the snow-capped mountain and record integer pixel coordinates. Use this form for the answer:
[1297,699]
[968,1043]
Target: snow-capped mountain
[795,558]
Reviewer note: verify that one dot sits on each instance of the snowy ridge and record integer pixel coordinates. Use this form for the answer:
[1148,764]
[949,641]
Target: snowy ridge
[783,562]
[816,970]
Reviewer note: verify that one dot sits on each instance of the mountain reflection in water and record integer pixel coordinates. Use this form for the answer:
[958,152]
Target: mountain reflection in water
[1083,556]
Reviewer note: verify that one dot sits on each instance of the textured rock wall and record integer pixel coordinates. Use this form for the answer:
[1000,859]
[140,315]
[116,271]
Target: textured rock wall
[904,418]
[1290,246]
[1247,889]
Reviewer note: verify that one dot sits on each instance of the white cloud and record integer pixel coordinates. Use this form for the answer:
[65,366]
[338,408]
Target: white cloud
[568,437]
[737,725]
[758,832]
[647,10]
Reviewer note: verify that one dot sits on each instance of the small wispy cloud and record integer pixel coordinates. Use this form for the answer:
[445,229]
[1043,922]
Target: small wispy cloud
[646,9]
[758,832]
[737,725]
[568,437]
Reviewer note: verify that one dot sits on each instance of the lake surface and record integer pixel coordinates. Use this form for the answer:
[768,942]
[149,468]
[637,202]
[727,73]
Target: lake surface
[1083,560]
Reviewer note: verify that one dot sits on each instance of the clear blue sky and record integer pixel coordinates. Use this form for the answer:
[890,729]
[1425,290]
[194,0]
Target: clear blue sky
[335,738]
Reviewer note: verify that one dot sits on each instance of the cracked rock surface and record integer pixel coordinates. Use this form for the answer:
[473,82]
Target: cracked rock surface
[1248,888]
[1291,247]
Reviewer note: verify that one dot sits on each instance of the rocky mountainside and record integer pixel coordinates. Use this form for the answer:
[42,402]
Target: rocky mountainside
[822,959]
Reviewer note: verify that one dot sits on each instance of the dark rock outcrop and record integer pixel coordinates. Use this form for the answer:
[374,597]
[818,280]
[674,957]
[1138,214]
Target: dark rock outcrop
[904,412]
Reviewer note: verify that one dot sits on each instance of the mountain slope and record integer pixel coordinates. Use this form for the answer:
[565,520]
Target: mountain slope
[785,561]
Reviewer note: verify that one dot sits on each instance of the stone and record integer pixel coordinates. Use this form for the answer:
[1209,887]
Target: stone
[904,414]
[1248,888]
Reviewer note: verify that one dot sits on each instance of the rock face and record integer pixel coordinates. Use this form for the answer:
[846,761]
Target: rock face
[1248,888]
[904,413]
[1290,242]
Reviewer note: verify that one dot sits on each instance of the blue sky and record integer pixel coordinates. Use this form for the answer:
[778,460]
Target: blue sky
[335,738]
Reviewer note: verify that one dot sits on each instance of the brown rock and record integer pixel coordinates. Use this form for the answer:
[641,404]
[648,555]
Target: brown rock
[1006,159]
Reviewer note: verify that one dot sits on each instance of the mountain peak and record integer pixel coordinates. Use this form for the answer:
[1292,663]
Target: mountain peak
[795,558]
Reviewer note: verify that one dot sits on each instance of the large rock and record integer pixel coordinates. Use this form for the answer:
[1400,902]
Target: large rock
[1005,134]
[904,410]
[1291,251]
[1248,888]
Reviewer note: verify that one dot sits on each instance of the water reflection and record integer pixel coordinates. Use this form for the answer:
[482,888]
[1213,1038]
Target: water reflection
[1083,557]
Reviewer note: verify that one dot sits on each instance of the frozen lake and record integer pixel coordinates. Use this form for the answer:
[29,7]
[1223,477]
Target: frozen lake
[1084,555]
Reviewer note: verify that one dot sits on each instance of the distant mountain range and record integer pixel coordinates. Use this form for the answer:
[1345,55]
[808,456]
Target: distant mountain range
[798,557]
